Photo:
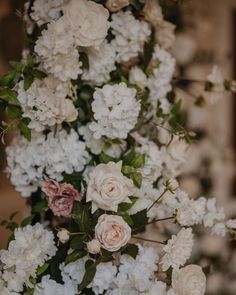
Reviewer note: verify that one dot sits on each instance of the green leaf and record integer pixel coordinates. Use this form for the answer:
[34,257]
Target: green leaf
[126,206]
[14,112]
[74,256]
[106,256]
[138,161]
[78,242]
[131,250]
[11,217]
[25,130]
[82,217]
[127,218]
[90,271]
[38,74]
[28,80]
[104,158]
[9,95]
[17,65]
[127,170]
[27,221]
[137,179]
[30,292]
[140,219]
[83,57]
[42,269]
[176,108]
[129,157]
[41,206]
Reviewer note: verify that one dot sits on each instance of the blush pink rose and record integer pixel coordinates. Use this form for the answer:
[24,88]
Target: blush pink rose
[51,188]
[61,206]
[67,190]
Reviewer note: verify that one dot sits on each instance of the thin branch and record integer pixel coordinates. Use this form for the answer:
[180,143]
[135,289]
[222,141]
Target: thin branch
[148,240]
[158,199]
[158,220]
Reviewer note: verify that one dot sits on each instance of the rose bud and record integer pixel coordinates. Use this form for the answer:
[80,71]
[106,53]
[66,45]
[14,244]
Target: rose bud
[94,246]
[63,235]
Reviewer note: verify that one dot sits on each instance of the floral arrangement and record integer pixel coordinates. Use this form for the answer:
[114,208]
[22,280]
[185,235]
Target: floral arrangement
[100,147]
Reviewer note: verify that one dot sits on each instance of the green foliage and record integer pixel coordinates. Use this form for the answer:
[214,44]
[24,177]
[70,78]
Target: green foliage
[41,269]
[74,256]
[104,158]
[81,215]
[140,220]
[90,271]
[27,221]
[78,242]
[131,250]
[83,57]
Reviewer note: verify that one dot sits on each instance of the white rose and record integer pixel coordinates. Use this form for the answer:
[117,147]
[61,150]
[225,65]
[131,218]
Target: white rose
[63,235]
[112,232]
[93,246]
[116,5]
[108,187]
[88,21]
[189,280]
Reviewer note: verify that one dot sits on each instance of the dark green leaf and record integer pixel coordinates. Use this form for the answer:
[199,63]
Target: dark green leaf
[9,95]
[83,57]
[11,217]
[25,130]
[129,157]
[41,206]
[38,74]
[17,65]
[176,108]
[140,219]
[78,242]
[127,218]
[127,170]
[75,255]
[131,250]
[137,178]
[90,271]
[138,161]
[28,80]
[82,217]
[104,158]
[14,112]
[27,221]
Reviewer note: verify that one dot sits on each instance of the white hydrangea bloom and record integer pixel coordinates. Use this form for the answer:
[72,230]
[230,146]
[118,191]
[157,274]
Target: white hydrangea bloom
[138,77]
[45,103]
[137,274]
[52,154]
[105,274]
[115,110]
[159,83]
[191,212]
[130,35]
[101,64]
[57,53]
[178,249]
[4,290]
[33,245]
[94,144]
[51,287]
[74,271]
[44,11]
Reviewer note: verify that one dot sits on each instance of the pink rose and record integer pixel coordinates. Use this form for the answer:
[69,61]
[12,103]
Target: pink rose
[51,188]
[61,206]
[67,190]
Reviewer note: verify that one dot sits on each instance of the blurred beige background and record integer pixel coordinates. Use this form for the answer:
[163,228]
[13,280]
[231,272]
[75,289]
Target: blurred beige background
[10,30]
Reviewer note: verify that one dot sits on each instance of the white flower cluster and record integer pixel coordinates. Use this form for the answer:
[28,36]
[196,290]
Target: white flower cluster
[101,64]
[51,287]
[115,110]
[52,154]
[130,35]
[57,52]
[159,83]
[45,103]
[44,11]
[32,246]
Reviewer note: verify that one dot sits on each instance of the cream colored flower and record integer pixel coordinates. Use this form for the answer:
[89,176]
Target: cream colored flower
[108,187]
[63,235]
[152,12]
[93,246]
[116,5]
[112,232]
[88,21]
[189,280]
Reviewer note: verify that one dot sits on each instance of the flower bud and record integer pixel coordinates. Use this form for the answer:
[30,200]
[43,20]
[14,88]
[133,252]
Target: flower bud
[63,235]
[94,246]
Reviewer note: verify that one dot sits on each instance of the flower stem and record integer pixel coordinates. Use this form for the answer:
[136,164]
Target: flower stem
[148,240]
[158,199]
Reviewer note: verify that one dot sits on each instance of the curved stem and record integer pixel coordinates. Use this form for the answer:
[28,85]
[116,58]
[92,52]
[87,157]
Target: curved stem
[148,240]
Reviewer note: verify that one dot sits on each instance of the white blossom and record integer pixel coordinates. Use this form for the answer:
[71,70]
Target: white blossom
[45,103]
[115,110]
[52,154]
[44,11]
[33,245]
[231,223]
[178,249]
[101,64]
[213,214]
[159,83]
[217,81]
[138,77]
[130,35]
[51,287]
